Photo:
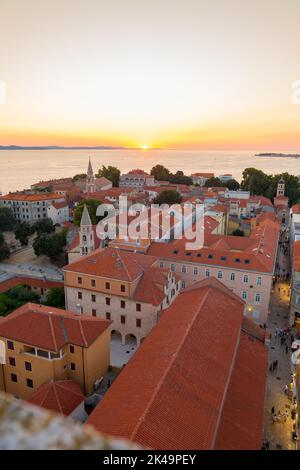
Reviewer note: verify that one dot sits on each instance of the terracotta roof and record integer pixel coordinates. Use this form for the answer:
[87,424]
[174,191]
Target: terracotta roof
[62,396]
[59,181]
[112,263]
[242,418]
[256,252]
[150,288]
[219,208]
[30,197]
[264,216]
[51,328]
[28,281]
[171,393]
[60,205]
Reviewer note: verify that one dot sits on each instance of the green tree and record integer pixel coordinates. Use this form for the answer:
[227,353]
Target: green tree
[160,173]
[91,205]
[168,197]
[79,176]
[256,181]
[51,245]
[112,173]
[292,187]
[7,220]
[43,226]
[23,232]
[180,178]
[232,185]
[56,298]
[238,232]
[213,182]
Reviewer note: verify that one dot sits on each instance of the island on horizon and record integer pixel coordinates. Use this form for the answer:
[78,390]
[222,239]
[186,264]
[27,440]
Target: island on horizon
[285,155]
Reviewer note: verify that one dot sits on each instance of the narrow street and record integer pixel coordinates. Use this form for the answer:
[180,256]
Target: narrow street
[279,433]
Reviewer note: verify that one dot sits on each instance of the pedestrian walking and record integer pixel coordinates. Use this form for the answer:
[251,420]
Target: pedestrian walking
[273,410]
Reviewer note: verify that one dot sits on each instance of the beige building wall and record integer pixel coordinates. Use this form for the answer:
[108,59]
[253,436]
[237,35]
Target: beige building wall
[90,364]
[257,310]
[148,315]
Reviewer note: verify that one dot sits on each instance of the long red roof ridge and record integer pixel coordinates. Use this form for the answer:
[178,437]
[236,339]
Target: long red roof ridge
[161,381]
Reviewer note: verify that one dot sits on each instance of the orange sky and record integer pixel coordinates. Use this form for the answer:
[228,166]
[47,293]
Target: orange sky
[172,74]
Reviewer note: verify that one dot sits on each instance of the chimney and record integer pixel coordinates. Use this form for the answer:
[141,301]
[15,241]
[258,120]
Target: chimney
[118,263]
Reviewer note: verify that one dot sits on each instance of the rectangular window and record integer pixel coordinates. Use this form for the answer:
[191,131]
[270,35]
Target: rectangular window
[172,267]
[123,288]
[107,285]
[73,366]
[183,269]
[93,283]
[183,284]
[244,295]
[72,349]
[138,323]
[246,279]
[12,361]
[138,307]
[79,279]
[10,345]
[28,366]
[161,264]
[29,383]
[207,273]
[257,298]
[107,300]
[123,319]
[94,312]
[42,353]
[80,295]
[195,271]
[107,315]
[232,276]
[220,275]
[259,281]
[122,303]
[14,378]
[93,297]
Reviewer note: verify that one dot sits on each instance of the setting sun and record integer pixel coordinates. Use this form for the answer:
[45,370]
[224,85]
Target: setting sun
[145,147]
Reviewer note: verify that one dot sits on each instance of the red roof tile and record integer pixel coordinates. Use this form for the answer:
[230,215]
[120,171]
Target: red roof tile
[112,263]
[10,283]
[242,418]
[171,393]
[51,328]
[62,396]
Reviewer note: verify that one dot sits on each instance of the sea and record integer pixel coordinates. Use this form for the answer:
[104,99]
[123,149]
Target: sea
[19,169]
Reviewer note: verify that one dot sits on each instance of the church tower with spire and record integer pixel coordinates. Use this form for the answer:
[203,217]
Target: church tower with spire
[90,179]
[86,233]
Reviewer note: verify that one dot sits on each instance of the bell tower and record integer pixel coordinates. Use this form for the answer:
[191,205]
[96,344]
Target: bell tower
[86,233]
[90,179]
[280,188]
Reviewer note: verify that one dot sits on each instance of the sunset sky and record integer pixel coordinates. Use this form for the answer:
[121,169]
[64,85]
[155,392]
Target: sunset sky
[193,74]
